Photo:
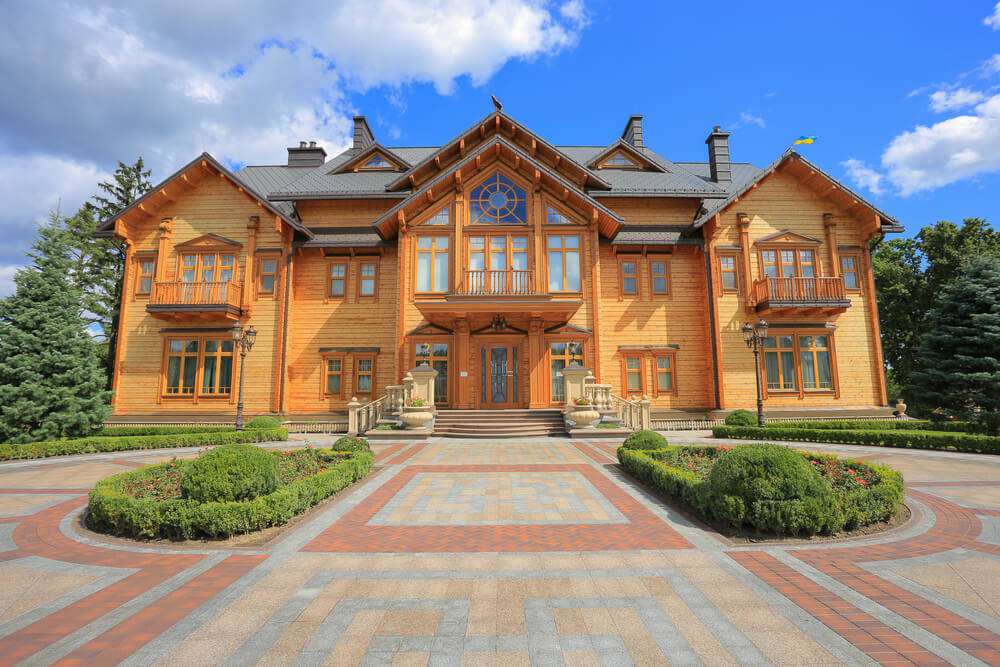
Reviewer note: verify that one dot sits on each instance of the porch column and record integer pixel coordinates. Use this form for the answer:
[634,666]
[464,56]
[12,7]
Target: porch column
[463,391]
[536,369]
[423,383]
[574,376]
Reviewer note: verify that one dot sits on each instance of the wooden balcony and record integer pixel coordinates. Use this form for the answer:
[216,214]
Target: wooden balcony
[807,296]
[512,282]
[180,300]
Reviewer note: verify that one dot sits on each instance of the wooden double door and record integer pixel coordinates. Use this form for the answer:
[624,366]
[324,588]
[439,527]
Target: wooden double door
[501,361]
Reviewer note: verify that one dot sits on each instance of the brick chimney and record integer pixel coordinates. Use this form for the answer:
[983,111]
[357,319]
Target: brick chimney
[633,131]
[718,156]
[306,155]
[363,137]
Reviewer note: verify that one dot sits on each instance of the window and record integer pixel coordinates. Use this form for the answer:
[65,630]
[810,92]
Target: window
[338,279]
[788,263]
[814,354]
[203,363]
[632,370]
[556,218]
[333,381]
[779,363]
[849,269]
[498,201]
[432,264]
[207,267]
[729,273]
[435,355]
[562,355]
[629,278]
[498,264]
[658,276]
[367,278]
[564,263]
[267,275]
[619,160]
[665,374]
[443,217]
[144,282]
[364,375]
[377,162]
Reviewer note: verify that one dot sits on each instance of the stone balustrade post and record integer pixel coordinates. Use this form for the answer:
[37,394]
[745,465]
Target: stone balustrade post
[573,379]
[352,416]
[645,420]
[423,384]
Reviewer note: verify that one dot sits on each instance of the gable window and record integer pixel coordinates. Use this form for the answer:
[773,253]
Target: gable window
[564,263]
[665,374]
[788,263]
[333,381]
[619,160]
[779,363]
[267,275]
[658,276]
[377,162]
[632,371]
[435,355]
[849,269]
[729,272]
[144,282]
[432,264]
[442,217]
[338,279]
[629,277]
[554,217]
[364,375]
[367,278]
[498,201]
[196,362]
[561,355]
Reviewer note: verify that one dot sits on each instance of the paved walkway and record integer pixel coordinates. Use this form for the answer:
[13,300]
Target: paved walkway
[502,553]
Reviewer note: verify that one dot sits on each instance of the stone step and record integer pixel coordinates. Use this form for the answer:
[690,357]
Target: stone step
[499,423]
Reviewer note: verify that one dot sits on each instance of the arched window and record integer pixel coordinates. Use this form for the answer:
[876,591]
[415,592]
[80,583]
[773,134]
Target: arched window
[497,201]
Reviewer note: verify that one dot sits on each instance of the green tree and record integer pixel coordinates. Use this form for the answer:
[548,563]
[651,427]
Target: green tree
[51,381]
[961,345]
[98,264]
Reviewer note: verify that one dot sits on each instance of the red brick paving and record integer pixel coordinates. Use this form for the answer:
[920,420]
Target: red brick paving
[589,452]
[408,454]
[644,530]
[387,452]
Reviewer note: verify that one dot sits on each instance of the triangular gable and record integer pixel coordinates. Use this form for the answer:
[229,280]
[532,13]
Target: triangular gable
[153,197]
[374,153]
[849,197]
[430,330]
[439,218]
[787,236]
[213,240]
[502,125]
[567,329]
[633,159]
[386,224]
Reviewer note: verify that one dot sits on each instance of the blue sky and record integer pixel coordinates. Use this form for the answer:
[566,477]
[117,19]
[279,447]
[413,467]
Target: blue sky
[904,96]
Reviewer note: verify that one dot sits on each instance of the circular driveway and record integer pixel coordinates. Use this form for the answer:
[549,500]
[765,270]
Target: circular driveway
[506,552]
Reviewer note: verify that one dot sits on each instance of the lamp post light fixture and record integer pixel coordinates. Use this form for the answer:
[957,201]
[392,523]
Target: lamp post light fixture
[242,339]
[754,337]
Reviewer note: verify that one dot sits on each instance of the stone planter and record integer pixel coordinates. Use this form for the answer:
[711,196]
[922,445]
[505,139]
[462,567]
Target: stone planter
[416,416]
[582,416]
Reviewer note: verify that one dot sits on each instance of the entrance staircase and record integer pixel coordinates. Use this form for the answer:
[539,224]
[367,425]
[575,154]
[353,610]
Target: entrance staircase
[499,424]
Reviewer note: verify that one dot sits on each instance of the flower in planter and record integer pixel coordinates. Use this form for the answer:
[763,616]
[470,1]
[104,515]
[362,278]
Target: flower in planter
[581,400]
[415,402]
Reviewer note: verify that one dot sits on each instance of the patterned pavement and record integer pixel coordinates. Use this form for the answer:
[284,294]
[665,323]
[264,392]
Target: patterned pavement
[516,552]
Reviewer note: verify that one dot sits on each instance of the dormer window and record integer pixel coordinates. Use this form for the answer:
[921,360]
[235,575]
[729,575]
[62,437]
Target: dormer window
[620,161]
[376,163]
[498,201]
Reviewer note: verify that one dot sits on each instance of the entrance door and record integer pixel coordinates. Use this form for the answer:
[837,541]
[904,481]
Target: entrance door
[498,376]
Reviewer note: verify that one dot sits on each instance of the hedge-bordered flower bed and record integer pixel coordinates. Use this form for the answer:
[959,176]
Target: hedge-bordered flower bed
[96,444]
[126,504]
[884,425]
[865,493]
[118,431]
[956,442]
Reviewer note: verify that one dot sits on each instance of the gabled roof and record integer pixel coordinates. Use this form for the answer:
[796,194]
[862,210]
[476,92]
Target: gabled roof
[285,213]
[712,208]
[790,236]
[362,157]
[205,239]
[623,146]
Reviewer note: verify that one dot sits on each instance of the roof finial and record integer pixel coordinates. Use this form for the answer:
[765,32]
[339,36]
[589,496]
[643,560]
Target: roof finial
[496,103]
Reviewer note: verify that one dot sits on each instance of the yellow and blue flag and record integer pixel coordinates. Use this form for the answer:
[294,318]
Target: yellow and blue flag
[804,140]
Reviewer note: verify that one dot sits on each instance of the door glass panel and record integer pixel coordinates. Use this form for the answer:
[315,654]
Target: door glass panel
[498,374]
[557,356]
[440,364]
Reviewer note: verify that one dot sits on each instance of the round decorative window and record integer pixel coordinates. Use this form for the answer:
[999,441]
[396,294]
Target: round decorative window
[498,201]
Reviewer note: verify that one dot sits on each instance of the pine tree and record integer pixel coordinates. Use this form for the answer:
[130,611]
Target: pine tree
[960,348]
[51,381]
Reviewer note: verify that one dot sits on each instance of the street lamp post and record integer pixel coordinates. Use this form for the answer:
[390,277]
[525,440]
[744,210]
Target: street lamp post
[244,341]
[754,337]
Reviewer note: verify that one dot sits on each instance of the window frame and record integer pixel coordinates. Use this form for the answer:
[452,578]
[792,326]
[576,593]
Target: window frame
[737,258]
[856,256]
[665,260]
[330,263]
[625,356]
[325,374]
[555,340]
[356,374]
[655,367]
[259,291]
[622,261]
[796,249]
[562,249]
[432,340]
[434,251]
[361,262]
[606,162]
[197,395]
[139,274]
[800,389]
[199,266]
[485,181]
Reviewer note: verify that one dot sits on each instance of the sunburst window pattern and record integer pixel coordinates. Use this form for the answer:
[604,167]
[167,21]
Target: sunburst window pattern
[497,201]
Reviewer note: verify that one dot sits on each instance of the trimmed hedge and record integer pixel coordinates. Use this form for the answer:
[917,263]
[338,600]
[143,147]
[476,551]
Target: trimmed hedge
[118,431]
[956,442]
[350,443]
[881,425]
[878,502]
[263,421]
[97,444]
[111,510]
[644,440]
[231,473]
[741,418]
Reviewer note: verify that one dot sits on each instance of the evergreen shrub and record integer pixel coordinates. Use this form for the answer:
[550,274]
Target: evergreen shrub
[645,440]
[349,443]
[955,442]
[741,418]
[230,473]
[118,431]
[263,421]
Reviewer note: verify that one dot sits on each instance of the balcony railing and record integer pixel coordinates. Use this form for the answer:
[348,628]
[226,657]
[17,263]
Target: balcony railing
[222,293]
[794,291]
[509,282]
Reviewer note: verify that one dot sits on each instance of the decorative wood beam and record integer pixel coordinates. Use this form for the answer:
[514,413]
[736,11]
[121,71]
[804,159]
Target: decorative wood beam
[204,165]
[517,163]
[565,194]
[496,146]
[413,180]
[482,130]
[534,147]
[558,160]
[458,181]
[401,219]
[479,161]
[186,181]
[513,131]
[461,147]
[498,124]
[537,180]
[437,161]
[277,224]
[593,217]
[430,197]
[163,191]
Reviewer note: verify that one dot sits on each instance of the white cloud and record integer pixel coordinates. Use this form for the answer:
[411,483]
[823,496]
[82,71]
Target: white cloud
[992,66]
[7,279]
[993,20]
[864,176]
[952,100]
[575,12]
[750,118]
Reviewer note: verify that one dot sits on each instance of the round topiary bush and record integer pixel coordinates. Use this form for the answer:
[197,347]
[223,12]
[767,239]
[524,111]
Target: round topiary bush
[230,473]
[741,418]
[263,421]
[350,443]
[645,440]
